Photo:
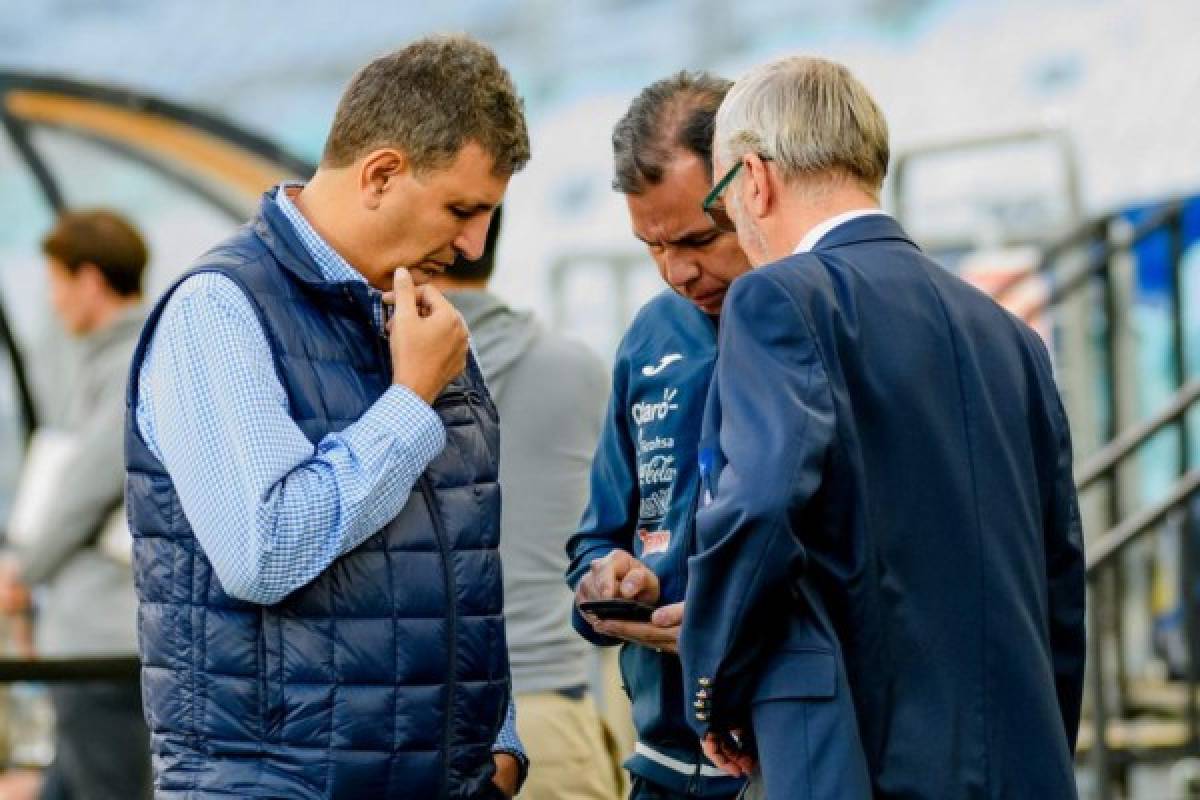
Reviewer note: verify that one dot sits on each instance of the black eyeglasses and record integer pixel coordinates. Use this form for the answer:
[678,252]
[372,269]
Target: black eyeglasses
[716,212]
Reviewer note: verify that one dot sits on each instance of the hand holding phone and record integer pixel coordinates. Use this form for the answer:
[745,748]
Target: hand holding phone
[617,608]
[618,575]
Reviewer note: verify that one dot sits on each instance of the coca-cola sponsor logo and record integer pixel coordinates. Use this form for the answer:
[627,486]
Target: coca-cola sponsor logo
[654,506]
[659,469]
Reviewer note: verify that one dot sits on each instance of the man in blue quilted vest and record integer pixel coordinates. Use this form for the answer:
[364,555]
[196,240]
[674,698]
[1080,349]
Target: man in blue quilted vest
[312,455]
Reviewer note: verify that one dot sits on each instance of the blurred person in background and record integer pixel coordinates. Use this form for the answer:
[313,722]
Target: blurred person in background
[95,260]
[636,535]
[550,392]
[312,486]
[893,546]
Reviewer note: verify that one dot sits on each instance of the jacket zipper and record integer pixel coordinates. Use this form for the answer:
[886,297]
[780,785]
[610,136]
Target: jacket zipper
[447,578]
[450,398]
[475,404]
[451,628]
[693,788]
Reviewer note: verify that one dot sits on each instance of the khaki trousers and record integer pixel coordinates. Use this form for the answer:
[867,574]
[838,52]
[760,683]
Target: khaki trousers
[568,747]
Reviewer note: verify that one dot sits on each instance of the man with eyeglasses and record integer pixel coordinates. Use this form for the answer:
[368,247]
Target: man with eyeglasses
[636,535]
[893,521]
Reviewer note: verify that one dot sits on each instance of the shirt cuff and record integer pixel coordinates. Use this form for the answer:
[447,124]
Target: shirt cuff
[400,409]
[508,742]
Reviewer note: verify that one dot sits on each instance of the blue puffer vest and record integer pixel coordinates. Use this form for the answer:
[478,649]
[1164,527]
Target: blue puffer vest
[387,676]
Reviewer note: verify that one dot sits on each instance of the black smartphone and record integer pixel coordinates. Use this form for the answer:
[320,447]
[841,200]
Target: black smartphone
[628,610]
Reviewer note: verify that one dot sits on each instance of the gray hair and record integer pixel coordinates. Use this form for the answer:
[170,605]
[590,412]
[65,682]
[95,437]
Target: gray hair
[429,99]
[810,116]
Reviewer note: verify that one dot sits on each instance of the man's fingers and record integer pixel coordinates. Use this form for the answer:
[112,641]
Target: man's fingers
[709,745]
[590,589]
[604,581]
[403,294]
[605,573]
[640,584]
[434,306]
[601,584]
[420,297]
[638,632]
[432,297]
[643,633]
[633,582]
[744,759]
[668,616]
[717,756]
[736,764]
[618,561]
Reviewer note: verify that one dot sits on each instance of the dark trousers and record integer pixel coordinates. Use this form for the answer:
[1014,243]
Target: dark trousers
[102,747]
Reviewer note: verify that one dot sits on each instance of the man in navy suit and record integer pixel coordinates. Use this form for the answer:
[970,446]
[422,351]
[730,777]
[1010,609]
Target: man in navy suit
[889,509]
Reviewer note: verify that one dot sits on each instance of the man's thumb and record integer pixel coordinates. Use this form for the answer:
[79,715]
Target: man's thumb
[668,616]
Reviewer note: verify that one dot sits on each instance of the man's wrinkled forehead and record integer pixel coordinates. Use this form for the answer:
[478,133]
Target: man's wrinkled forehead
[669,211]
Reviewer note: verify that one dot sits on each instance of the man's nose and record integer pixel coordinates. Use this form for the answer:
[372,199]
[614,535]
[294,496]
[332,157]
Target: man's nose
[473,237]
[680,271]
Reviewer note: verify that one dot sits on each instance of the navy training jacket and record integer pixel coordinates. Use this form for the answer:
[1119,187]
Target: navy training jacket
[644,491]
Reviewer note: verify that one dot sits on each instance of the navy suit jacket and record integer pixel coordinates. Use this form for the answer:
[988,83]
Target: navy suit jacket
[891,487]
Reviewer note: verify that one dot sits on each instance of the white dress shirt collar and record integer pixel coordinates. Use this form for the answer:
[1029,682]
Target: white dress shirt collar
[818,231]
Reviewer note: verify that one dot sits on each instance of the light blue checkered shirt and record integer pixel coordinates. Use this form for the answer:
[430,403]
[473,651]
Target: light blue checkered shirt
[212,410]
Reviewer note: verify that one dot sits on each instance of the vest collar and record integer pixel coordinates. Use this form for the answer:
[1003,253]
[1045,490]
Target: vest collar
[276,232]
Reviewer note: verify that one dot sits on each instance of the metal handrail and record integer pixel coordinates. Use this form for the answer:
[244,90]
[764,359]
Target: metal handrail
[1116,451]
[1091,230]
[1097,261]
[903,162]
[1107,546]
[1099,242]
[50,670]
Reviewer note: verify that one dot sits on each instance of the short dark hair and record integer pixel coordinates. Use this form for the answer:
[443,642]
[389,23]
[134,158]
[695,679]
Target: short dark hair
[670,114]
[429,99]
[104,239]
[481,270]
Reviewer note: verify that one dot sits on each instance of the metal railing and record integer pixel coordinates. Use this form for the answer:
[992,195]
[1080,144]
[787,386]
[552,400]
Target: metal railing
[1088,261]
[1104,554]
[70,670]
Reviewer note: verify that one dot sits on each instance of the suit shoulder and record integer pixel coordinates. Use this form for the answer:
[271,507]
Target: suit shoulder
[986,307]
[793,279]
[797,274]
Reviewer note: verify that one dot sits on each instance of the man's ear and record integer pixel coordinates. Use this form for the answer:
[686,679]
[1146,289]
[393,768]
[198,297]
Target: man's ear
[758,191]
[92,278]
[378,171]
